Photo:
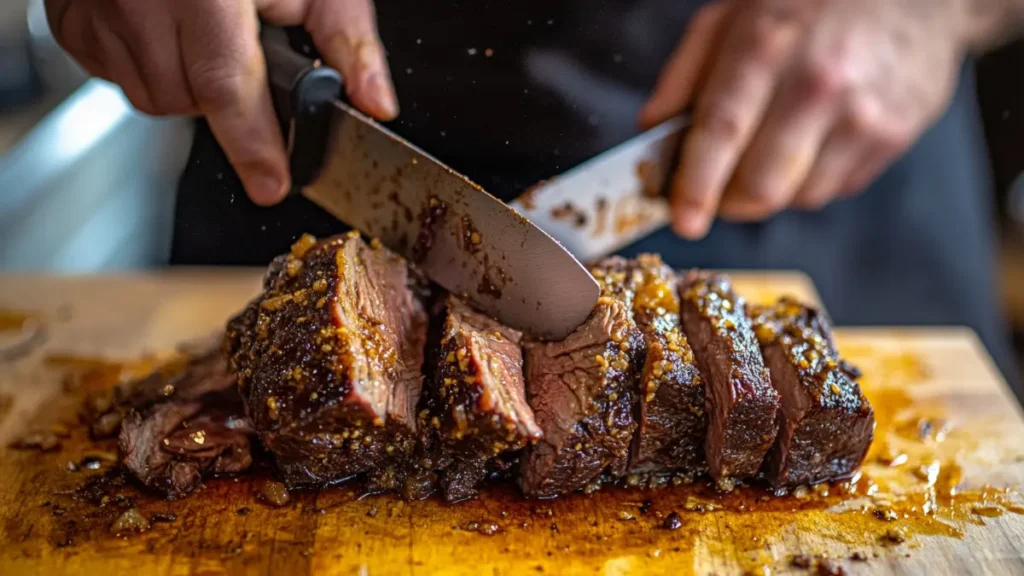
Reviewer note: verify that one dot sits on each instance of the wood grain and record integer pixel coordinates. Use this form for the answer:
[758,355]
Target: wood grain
[226,529]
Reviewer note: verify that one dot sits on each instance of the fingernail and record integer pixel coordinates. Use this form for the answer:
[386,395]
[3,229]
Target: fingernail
[380,90]
[263,187]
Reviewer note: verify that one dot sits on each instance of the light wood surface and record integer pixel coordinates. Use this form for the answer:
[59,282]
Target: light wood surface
[225,529]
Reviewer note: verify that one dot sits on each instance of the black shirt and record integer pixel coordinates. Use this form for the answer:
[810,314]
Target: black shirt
[513,92]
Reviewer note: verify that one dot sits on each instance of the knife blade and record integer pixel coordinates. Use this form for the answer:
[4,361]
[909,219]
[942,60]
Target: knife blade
[461,237]
[611,200]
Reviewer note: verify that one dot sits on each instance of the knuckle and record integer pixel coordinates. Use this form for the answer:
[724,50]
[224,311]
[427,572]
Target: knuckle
[216,83]
[767,40]
[863,117]
[825,78]
[721,122]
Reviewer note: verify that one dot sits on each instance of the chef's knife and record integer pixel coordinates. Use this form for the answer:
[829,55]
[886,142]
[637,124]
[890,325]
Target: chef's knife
[611,200]
[463,238]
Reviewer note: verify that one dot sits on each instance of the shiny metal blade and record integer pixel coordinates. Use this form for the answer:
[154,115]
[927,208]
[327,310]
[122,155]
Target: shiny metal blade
[611,200]
[463,238]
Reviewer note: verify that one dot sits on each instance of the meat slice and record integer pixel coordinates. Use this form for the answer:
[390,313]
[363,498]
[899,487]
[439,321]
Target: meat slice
[671,424]
[583,394]
[200,370]
[475,410]
[826,425]
[194,428]
[739,398]
[328,360]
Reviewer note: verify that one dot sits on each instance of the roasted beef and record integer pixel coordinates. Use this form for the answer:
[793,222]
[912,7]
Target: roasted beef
[739,398]
[583,393]
[199,370]
[193,426]
[825,424]
[474,413]
[673,424]
[329,362]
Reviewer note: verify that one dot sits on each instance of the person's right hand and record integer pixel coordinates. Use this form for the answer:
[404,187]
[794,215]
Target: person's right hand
[189,57]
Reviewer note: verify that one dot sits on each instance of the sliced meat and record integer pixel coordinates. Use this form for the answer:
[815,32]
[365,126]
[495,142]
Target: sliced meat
[739,399]
[826,425]
[583,394]
[172,446]
[672,424]
[199,372]
[329,362]
[475,411]
[192,430]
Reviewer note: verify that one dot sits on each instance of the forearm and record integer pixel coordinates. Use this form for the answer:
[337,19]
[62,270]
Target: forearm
[988,23]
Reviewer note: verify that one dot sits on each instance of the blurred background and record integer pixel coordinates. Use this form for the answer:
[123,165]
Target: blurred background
[87,184]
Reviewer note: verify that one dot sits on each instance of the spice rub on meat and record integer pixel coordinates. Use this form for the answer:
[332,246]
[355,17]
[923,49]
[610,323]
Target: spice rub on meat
[583,391]
[671,424]
[826,425]
[474,413]
[329,361]
[740,401]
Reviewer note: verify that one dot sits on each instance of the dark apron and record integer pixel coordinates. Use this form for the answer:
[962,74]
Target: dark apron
[564,82]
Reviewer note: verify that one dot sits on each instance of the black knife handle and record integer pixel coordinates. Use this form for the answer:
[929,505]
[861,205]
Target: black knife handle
[303,92]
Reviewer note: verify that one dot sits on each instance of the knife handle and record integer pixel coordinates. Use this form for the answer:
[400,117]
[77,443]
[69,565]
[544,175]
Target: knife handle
[303,92]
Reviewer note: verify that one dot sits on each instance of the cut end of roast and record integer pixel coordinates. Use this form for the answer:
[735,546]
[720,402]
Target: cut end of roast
[825,423]
[329,360]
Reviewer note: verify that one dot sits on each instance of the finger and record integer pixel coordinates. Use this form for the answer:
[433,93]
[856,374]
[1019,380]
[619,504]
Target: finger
[345,32]
[156,49]
[679,78]
[227,74]
[729,110]
[71,25]
[887,138]
[871,165]
[788,143]
[119,63]
[839,157]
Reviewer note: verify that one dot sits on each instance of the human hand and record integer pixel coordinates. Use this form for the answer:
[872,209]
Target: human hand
[799,102]
[189,57]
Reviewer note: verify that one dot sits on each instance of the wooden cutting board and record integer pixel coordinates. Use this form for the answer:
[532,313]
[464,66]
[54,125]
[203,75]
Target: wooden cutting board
[945,419]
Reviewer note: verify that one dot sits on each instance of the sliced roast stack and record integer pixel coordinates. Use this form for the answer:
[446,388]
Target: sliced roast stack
[474,414]
[344,373]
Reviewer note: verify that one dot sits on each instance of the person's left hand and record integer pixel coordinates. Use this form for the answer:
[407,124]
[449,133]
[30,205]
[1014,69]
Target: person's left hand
[799,102]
